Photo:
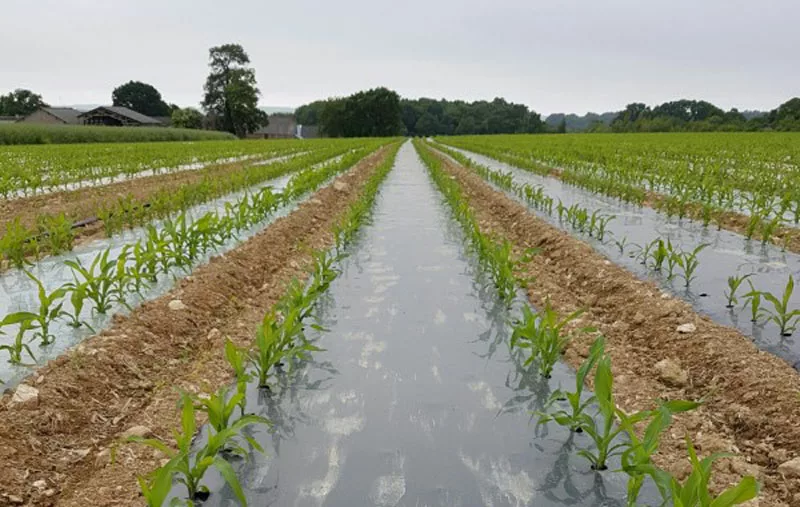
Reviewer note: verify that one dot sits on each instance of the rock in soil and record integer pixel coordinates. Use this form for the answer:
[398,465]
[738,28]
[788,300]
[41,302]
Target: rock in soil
[136,431]
[671,374]
[25,396]
[340,186]
[790,468]
[176,305]
[688,328]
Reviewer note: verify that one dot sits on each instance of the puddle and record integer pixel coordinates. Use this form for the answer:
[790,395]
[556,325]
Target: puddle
[418,402]
[726,255]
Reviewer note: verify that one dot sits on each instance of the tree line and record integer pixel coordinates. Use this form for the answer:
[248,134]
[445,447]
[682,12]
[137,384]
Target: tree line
[230,102]
[381,111]
[700,116]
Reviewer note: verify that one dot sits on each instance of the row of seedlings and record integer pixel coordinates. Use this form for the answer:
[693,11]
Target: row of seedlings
[280,345]
[180,242]
[539,339]
[54,234]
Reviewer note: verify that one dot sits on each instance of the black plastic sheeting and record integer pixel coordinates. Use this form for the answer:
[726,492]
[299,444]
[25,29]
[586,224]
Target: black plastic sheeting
[726,255]
[416,400]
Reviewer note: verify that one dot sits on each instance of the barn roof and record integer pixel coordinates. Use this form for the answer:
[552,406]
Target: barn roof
[65,114]
[124,111]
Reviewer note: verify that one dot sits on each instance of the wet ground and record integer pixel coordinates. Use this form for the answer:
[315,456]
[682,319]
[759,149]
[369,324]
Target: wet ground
[416,400]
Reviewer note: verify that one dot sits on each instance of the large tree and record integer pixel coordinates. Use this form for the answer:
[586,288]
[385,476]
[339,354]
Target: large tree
[141,97]
[20,103]
[231,94]
[188,118]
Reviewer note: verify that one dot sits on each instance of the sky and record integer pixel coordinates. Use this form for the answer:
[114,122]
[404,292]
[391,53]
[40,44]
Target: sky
[553,56]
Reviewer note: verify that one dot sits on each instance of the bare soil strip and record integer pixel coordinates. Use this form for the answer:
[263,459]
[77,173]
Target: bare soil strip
[752,398]
[784,237]
[57,450]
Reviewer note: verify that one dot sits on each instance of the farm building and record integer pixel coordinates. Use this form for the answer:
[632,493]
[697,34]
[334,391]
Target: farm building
[53,116]
[280,127]
[117,116]
[8,119]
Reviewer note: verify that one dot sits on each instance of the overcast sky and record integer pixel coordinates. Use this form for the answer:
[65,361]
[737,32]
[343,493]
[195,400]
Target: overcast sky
[553,55]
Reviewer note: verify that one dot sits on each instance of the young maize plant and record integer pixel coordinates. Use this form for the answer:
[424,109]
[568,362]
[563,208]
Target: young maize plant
[689,263]
[787,320]
[542,335]
[695,490]
[97,279]
[77,297]
[574,418]
[189,467]
[734,282]
[754,302]
[239,359]
[16,349]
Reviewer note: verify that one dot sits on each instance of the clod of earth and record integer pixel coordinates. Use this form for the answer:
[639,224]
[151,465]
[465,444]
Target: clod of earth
[688,328]
[671,373]
[136,431]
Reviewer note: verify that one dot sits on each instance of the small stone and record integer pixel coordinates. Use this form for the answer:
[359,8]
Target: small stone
[40,484]
[214,335]
[15,499]
[639,319]
[671,374]
[49,492]
[102,458]
[790,468]
[176,305]
[136,431]
[687,328]
[340,186]
[39,379]
[25,396]
[665,296]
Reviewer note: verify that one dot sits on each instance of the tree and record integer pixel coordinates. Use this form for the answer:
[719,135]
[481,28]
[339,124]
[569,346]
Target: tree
[141,97]
[562,127]
[20,103]
[188,118]
[231,93]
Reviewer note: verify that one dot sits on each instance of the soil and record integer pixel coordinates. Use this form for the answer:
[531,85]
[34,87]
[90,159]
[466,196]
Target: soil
[751,398]
[58,451]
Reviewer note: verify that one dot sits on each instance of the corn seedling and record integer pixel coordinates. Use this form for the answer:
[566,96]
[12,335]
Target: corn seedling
[48,311]
[77,296]
[695,490]
[689,263]
[574,418]
[15,244]
[787,320]
[191,469]
[621,244]
[16,349]
[754,302]
[57,231]
[734,282]
[239,360]
[97,279]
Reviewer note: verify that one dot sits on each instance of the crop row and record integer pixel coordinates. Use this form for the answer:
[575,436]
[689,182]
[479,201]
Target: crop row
[659,255]
[178,244]
[280,345]
[32,169]
[538,341]
[701,177]
[54,234]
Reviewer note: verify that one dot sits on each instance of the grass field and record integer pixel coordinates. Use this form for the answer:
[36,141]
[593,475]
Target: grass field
[21,133]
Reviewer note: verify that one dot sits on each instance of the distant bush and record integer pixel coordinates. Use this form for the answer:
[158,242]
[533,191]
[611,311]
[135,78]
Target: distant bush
[23,133]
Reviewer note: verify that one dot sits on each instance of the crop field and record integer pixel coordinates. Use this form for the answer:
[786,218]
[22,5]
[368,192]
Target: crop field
[488,320]
[25,133]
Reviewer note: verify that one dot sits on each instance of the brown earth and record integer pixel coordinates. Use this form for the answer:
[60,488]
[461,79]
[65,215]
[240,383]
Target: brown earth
[751,398]
[57,452]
